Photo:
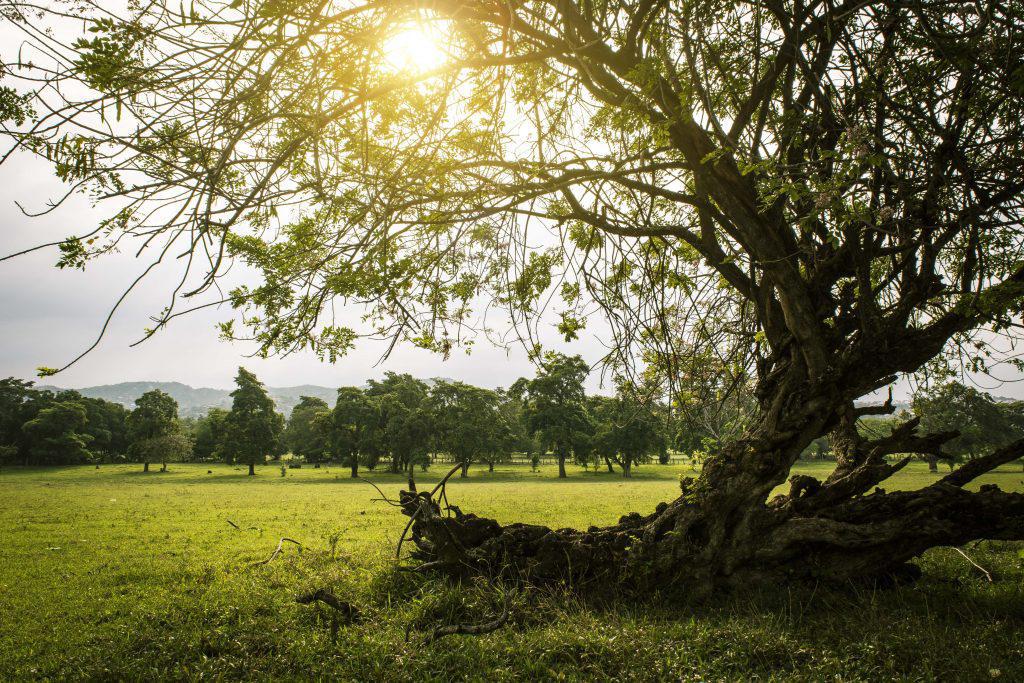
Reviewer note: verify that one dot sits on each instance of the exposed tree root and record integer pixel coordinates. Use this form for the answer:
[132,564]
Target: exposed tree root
[341,612]
[708,538]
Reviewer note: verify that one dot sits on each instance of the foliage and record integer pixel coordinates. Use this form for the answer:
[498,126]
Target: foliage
[304,434]
[981,423]
[104,431]
[628,432]
[406,425]
[252,428]
[58,435]
[355,429]
[468,422]
[209,434]
[555,403]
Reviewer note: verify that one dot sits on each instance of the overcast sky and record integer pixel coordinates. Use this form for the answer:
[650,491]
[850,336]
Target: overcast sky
[48,316]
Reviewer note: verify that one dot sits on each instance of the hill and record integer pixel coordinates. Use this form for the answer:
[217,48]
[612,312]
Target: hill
[193,402]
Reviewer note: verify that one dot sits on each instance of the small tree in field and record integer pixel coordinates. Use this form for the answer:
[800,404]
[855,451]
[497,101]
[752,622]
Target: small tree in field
[628,431]
[469,425]
[354,430]
[252,429]
[153,429]
[555,404]
[304,435]
[977,420]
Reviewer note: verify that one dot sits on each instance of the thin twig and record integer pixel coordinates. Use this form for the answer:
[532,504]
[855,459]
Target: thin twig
[280,547]
[984,571]
[383,496]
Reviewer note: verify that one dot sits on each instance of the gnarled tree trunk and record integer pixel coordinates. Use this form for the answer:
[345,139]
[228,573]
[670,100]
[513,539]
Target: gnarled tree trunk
[723,531]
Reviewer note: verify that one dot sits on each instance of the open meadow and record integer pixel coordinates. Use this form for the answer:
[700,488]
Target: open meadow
[110,573]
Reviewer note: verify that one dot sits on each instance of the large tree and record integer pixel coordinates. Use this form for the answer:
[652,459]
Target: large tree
[826,194]
[628,430]
[354,430]
[252,429]
[406,429]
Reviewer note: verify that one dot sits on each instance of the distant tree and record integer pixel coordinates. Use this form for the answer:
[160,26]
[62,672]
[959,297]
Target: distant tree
[555,403]
[152,428]
[252,429]
[1013,414]
[19,403]
[407,432]
[628,431]
[955,407]
[469,425]
[303,434]
[57,435]
[354,429]
[173,446]
[515,433]
[107,424]
[209,434]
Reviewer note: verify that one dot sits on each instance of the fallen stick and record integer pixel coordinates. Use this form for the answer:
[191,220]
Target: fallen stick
[467,629]
[977,566]
[349,611]
[277,551]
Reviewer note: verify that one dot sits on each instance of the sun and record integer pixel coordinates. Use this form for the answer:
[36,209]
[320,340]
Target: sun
[417,47]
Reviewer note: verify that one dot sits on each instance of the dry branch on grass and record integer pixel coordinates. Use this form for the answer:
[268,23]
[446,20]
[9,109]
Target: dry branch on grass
[278,550]
[349,612]
[482,628]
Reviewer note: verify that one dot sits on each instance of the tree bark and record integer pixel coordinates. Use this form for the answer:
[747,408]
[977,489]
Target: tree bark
[608,462]
[933,463]
[561,466]
[145,467]
[252,469]
[723,532]
[627,468]
[355,469]
[464,471]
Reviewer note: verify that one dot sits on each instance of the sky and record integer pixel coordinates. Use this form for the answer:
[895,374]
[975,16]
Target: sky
[48,316]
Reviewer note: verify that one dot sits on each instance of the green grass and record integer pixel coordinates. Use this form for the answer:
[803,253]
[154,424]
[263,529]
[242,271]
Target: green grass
[112,574]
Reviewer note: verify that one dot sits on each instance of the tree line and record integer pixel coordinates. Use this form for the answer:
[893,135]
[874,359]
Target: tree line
[402,422]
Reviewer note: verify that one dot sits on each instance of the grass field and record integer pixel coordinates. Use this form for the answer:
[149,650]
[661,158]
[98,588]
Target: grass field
[113,574]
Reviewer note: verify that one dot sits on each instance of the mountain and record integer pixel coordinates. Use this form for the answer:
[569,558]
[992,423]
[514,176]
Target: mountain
[194,402]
